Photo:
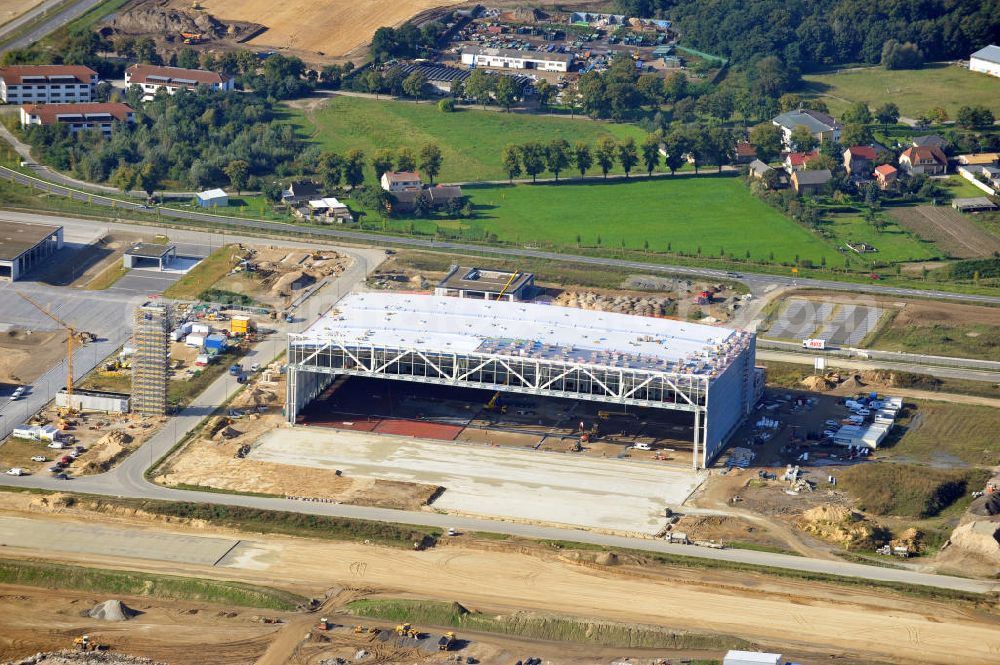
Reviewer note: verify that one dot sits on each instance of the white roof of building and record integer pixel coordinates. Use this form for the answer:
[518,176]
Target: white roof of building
[754,657]
[989,53]
[465,325]
[212,194]
[326,202]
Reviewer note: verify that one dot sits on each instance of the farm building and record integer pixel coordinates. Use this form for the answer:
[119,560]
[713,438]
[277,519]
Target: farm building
[24,246]
[975,204]
[516,347]
[212,198]
[811,182]
[507,58]
[78,116]
[440,78]
[144,254]
[40,84]
[399,181]
[438,197]
[465,282]
[986,60]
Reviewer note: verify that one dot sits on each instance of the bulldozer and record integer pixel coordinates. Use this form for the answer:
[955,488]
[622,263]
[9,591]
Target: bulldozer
[403,628]
[360,629]
[84,643]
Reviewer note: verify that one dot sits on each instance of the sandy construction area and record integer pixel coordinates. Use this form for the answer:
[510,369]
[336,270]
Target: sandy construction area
[797,615]
[529,485]
[333,27]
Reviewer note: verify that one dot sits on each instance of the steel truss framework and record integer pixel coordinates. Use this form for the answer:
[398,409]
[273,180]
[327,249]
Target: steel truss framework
[536,376]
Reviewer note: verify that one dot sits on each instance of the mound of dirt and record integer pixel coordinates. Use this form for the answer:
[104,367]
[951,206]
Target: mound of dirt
[53,502]
[912,539]
[641,306]
[817,383]
[980,538]
[226,433]
[151,19]
[843,526]
[853,382]
[67,657]
[112,610]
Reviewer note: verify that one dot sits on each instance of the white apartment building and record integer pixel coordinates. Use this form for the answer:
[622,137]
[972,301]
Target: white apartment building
[47,84]
[151,78]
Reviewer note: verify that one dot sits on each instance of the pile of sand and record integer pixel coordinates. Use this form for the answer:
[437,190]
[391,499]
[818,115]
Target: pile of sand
[817,383]
[843,526]
[107,450]
[912,539]
[980,538]
[853,382]
[53,502]
[112,610]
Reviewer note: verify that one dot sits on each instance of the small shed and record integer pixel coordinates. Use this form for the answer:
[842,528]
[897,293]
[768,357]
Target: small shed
[751,658]
[212,198]
[147,255]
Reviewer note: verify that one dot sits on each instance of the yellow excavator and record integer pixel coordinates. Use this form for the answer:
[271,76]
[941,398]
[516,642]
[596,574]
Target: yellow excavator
[495,402]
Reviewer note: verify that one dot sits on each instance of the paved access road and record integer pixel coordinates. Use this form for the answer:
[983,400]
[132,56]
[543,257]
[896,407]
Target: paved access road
[56,18]
[127,479]
[758,283]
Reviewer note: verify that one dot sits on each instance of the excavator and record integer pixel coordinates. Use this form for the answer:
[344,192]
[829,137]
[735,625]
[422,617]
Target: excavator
[494,404]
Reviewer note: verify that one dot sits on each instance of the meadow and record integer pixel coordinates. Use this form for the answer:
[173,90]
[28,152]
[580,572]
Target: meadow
[471,140]
[915,91]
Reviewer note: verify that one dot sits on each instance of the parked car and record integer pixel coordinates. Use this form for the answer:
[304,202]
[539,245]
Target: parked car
[831,423]
[17,394]
[254,367]
[61,476]
[642,446]
[16,471]
[829,433]
[58,445]
[452,531]
[39,458]
[863,412]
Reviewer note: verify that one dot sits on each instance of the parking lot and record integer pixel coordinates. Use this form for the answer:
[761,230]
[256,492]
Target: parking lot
[532,485]
[140,281]
[839,323]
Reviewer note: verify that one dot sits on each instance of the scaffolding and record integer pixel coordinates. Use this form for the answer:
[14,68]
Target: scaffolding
[150,364]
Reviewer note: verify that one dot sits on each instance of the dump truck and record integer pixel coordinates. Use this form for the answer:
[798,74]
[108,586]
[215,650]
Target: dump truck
[446,641]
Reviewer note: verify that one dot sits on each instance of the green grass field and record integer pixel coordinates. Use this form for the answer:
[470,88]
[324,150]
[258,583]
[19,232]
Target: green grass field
[684,213]
[948,435]
[470,140]
[914,91]
[894,244]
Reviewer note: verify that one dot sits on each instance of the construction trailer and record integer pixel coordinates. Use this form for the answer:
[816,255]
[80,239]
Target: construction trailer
[751,658]
[513,347]
[151,360]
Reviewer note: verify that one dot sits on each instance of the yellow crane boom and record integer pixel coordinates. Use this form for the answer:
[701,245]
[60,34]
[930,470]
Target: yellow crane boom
[70,341]
[507,285]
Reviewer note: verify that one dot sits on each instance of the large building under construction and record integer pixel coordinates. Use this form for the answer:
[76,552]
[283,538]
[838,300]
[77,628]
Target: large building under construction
[705,371]
[150,363]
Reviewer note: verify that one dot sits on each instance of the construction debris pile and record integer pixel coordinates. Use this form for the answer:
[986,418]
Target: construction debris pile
[843,526]
[169,24]
[80,658]
[740,458]
[111,610]
[635,305]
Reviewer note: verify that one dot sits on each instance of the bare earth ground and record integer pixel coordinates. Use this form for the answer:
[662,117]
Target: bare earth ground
[815,617]
[13,8]
[331,28]
[24,357]
[953,232]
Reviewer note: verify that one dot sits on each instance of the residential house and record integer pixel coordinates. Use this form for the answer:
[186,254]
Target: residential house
[47,84]
[809,182]
[820,125]
[400,181]
[885,176]
[927,160]
[327,208]
[508,58]
[744,153]
[986,60]
[859,160]
[797,161]
[929,140]
[761,171]
[300,192]
[152,78]
[438,198]
[78,117]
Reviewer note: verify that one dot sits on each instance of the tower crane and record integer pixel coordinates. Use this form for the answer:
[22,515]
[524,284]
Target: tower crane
[75,337]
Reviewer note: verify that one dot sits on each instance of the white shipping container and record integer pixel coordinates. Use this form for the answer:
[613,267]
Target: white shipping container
[25,432]
[186,327]
[176,335]
[197,341]
[201,328]
[202,360]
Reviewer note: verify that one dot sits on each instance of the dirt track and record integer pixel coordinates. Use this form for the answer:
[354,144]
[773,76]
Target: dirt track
[952,231]
[814,616]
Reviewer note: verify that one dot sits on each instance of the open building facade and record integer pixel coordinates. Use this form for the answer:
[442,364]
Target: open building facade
[705,371]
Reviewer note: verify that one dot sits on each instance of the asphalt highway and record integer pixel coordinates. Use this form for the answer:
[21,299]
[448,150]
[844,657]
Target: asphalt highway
[758,283]
[54,17]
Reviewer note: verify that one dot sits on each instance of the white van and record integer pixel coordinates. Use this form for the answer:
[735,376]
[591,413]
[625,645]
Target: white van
[642,446]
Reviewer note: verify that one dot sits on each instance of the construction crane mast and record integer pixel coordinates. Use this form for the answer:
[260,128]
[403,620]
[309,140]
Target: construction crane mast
[75,337]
